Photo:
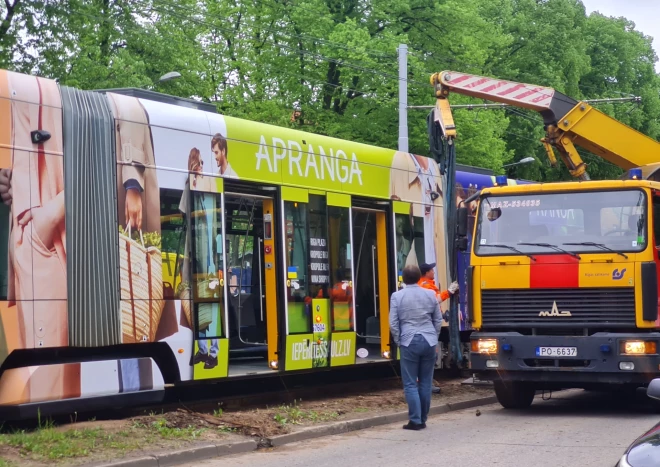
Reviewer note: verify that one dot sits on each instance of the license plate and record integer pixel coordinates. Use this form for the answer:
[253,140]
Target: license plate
[556,351]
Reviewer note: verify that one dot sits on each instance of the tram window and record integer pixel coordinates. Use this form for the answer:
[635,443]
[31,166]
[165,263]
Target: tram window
[296,238]
[240,249]
[310,254]
[173,230]
[339,251]
[240,221]
[240,252]
[4,244]
[319,269]
[403,239]
[418,232]
[409,235]
[207,265]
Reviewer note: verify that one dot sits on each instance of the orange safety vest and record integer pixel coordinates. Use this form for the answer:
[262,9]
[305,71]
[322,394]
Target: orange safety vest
[430,285]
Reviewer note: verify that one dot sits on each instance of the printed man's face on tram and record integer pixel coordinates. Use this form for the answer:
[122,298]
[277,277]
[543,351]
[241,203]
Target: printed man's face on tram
[220,155]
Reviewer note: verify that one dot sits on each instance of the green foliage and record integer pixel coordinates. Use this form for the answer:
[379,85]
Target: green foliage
[293,414]
[330,67]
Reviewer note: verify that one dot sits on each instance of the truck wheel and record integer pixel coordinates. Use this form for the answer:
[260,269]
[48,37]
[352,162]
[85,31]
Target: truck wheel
[514,394]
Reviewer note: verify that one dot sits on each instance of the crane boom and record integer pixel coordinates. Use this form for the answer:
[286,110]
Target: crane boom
[568,122]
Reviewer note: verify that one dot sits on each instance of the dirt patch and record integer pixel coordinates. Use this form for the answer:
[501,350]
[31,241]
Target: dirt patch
[391,399]
[85,442]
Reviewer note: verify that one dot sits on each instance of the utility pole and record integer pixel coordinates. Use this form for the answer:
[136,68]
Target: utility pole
[403,98]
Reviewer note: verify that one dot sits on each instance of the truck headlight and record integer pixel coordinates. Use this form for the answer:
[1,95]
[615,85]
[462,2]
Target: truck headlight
[638,347]
[487,346]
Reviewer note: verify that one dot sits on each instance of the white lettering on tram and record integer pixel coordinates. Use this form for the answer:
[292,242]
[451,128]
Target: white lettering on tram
[301,351]
[335,167]
[304,351]
[341,348]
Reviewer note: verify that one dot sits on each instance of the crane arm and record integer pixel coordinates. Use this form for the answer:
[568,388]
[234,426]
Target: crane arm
[568,123]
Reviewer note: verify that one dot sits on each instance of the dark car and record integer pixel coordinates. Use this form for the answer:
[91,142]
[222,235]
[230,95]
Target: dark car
[645,450]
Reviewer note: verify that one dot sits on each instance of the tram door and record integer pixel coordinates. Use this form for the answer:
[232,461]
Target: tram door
[232,281]
[251,288]
[371,284]
[318,271]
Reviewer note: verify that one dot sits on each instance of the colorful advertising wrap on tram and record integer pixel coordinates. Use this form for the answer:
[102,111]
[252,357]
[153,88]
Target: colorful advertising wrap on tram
[222,247]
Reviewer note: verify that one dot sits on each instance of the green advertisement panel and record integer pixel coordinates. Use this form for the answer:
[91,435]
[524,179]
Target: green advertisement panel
[299,351]
[305,351]
[342,349]
[201,370]
[285,156]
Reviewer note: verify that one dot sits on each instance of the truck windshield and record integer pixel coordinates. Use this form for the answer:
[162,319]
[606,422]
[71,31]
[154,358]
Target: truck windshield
[577,222]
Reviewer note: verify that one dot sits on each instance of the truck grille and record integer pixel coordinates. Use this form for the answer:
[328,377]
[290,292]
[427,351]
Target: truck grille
[590,308]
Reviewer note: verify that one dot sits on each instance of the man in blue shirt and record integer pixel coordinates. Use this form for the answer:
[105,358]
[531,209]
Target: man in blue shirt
[415,322]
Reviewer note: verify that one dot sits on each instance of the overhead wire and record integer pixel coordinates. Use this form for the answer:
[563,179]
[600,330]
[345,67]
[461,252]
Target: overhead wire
[297,51]
[325,41]
[155,7]
[294,50]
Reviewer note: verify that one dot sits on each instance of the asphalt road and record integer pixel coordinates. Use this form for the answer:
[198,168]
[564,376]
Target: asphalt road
[574,428]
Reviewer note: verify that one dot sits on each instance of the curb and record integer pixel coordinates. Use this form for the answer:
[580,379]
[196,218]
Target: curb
[197,453]
[370,422]
[211,451]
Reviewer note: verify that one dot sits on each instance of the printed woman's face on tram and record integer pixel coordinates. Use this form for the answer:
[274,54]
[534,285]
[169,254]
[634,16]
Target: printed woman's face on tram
[195,162]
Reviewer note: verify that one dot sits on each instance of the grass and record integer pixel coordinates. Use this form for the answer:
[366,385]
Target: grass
[48,444]
[294,415]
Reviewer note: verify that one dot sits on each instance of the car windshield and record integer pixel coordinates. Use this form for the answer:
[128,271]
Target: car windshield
[576,222]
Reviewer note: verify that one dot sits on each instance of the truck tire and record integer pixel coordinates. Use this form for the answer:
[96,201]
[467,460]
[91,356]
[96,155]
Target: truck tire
[514,394]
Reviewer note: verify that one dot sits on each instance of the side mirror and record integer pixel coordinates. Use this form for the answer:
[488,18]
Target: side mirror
[461,222]
[653,391]
[462,244]
[494,214]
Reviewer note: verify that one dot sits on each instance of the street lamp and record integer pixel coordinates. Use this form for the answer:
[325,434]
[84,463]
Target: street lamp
[526,160]
[169,76]
[172,75]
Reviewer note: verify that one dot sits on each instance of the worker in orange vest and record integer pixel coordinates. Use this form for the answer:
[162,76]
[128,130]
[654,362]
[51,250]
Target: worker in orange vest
[427,281]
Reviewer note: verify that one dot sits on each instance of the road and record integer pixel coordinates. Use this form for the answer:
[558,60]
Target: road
[574,428]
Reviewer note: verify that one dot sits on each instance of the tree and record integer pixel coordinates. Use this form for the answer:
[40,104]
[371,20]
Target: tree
[330,66]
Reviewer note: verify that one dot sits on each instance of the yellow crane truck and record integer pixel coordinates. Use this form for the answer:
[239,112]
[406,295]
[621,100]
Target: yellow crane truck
[563,277]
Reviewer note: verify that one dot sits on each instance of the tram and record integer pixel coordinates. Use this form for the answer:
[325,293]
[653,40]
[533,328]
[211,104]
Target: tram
[146,240]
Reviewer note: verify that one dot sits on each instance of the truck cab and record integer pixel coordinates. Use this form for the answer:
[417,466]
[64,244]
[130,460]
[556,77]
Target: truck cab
[563,286]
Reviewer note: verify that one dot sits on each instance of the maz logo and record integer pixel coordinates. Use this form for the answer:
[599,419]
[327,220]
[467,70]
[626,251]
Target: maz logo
[555,311]
[616,275]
